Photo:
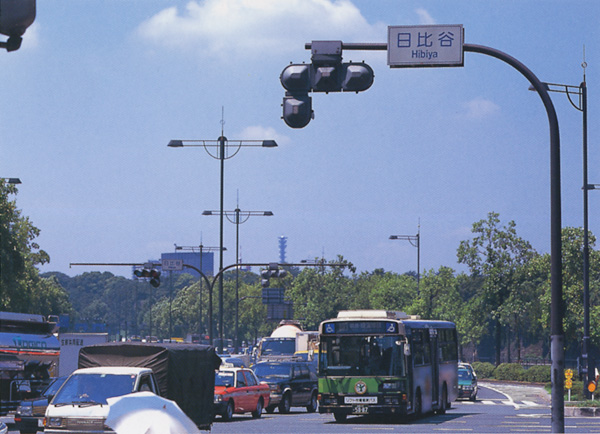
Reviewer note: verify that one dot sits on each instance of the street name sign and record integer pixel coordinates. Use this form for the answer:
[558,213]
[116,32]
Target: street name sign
[425,46]
[172,264]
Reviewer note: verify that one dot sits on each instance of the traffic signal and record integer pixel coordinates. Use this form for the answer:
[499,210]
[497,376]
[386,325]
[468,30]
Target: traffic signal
[297,105]
[326,74]
[15,17]
[297,110]
[272,271]
[152,274]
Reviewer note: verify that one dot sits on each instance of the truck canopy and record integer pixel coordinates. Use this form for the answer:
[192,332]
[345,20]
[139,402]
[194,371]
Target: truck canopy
[185,373]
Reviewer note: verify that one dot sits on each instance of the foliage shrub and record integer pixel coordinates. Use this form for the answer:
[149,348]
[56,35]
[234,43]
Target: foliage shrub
[509,372]
[538,374]
[483,369]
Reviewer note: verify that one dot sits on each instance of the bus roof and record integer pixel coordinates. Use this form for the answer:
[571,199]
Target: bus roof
[375,314]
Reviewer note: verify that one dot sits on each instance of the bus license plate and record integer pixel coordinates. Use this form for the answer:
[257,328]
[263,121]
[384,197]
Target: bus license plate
[360,409]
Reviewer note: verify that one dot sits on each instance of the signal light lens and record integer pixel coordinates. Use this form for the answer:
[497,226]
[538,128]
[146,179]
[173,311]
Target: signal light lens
[591,386]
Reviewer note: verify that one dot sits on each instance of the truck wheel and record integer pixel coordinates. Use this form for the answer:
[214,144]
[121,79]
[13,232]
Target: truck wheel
[286,403]
[270,409]
[339,417]
[259,407]
[228,413]
[314,403]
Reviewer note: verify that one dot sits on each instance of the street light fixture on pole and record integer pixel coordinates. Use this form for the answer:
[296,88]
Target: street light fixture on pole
[203,249]
[223,153]
[581,105]
[238,217]
[415,241]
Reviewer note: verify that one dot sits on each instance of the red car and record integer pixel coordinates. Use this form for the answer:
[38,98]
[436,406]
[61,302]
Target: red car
[237,390]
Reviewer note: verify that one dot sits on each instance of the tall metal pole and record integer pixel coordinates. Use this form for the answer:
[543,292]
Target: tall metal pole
[586,347]
[237,276]
[222,140]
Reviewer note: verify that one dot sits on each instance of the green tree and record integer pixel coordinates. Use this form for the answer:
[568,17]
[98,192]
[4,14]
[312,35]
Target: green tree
[22,289]
[496,254]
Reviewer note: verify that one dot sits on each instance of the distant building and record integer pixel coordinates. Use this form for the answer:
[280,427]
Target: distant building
[203,262]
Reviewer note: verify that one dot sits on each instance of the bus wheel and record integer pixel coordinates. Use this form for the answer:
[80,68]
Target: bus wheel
[418,403]
[339,417]
[444,401]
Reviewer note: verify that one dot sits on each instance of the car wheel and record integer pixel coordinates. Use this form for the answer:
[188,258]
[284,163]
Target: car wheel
[339,417]
[270,409]
[259,407]
[314,403]
[286,403]
[228,413]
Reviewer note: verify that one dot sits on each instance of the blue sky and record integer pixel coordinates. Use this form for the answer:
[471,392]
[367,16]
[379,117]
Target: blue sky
[99,88]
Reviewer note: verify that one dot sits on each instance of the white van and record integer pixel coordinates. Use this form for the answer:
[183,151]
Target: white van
[80,405]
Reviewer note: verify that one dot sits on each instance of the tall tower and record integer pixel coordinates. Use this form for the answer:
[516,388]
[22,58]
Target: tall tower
[282,247]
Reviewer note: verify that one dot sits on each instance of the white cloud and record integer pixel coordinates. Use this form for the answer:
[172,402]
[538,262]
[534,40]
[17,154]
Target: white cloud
[479,108]
[250,27]
[259,133]
[424,17]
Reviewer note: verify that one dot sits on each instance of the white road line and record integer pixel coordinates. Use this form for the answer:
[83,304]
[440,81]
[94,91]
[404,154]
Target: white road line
[510,400]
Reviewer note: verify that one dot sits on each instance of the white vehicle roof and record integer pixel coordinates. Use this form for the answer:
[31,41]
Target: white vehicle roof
[113,370]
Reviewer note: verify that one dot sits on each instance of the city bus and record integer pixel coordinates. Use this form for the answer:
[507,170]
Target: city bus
[375,362]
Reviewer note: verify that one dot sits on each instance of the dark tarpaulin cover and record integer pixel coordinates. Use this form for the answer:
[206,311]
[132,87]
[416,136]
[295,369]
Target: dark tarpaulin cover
[185,372]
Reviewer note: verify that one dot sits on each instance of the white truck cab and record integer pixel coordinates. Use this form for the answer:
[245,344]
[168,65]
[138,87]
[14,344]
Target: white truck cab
[81,405]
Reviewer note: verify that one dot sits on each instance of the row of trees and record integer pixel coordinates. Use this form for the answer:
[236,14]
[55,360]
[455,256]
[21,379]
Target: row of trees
[501,305]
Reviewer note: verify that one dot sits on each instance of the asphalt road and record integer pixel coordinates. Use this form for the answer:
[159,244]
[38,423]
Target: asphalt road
[499,408]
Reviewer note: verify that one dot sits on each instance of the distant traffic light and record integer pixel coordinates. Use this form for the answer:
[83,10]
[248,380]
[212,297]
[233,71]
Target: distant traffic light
[272,271]
[152,274]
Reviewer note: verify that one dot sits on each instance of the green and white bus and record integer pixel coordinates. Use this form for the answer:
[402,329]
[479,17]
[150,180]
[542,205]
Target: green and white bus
[376,362]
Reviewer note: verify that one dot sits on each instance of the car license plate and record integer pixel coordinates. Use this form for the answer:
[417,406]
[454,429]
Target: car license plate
[360,409]
[40,423]
[360,400]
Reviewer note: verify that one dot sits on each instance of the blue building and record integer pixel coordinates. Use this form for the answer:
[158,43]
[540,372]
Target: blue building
[202,261]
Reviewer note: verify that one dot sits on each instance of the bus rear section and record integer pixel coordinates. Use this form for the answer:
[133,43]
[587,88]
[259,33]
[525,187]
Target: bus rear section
[381,363]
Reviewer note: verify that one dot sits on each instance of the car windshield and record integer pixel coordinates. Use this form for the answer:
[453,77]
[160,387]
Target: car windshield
[278,347]
[464,374]
[54,386]
[94,388]
[224,379]
[267,370]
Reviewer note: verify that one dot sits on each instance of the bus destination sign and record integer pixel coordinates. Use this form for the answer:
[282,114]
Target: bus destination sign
[360,327]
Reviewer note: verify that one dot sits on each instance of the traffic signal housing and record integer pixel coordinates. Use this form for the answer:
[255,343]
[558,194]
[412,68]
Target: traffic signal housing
[326,74]
[272,271]
[149,273]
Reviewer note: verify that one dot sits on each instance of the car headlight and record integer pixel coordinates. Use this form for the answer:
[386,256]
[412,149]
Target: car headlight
[275,388]
[25,410]
[218,398]
[54,422]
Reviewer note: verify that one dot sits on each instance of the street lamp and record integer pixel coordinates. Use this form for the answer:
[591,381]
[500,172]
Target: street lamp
[202,249]
[245,215]
[581,105]
[415,241]
[223,153]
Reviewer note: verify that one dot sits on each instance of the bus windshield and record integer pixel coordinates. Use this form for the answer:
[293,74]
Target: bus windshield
[362,355]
